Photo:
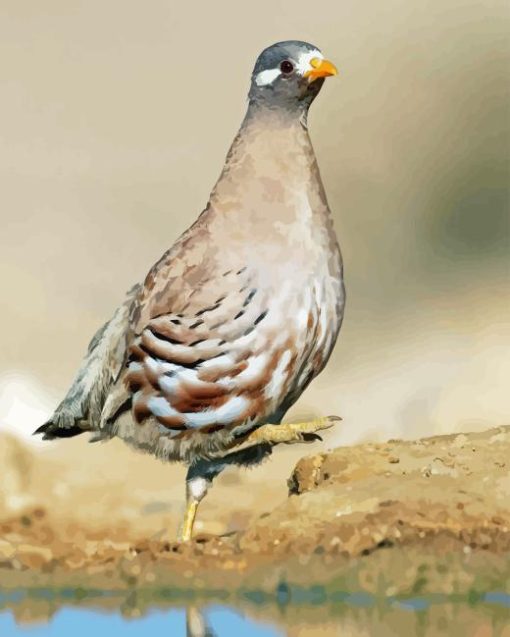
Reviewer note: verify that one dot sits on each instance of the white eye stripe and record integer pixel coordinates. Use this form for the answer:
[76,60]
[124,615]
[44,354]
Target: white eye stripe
[264,78]
[267,77]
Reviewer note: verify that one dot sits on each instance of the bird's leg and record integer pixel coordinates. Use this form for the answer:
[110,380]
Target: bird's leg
[250,449]
[196,488]
[189,520]
[202,472]
[288,433]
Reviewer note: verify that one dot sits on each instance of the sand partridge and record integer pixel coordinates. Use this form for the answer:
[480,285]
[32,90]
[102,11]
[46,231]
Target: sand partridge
[203,359]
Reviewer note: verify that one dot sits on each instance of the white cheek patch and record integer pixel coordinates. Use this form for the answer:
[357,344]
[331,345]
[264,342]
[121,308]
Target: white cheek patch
[303,64]
[267,77]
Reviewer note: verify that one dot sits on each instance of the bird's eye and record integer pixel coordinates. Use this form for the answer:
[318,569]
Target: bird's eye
[286,67]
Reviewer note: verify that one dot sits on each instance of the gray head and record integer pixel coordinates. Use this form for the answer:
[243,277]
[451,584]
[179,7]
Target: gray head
[289,75]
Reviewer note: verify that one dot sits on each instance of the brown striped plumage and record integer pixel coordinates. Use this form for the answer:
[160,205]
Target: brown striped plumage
[238,317]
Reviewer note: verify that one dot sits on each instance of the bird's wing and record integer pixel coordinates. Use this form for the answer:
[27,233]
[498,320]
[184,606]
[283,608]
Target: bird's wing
[204,361]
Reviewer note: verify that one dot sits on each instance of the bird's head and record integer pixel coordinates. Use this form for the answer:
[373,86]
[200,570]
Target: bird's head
[289,75]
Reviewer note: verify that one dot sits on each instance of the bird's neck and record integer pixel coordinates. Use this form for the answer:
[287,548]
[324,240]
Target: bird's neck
[270,163]
[269,199]
[276,115]
[274,136]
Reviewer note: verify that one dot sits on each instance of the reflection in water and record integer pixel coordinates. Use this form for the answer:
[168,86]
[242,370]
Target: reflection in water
[215,621]
[59,614]
[196,624]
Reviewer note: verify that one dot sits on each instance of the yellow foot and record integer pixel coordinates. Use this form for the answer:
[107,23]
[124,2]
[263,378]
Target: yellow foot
[289,433]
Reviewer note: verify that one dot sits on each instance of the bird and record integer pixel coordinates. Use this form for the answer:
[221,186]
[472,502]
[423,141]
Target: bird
[202,360]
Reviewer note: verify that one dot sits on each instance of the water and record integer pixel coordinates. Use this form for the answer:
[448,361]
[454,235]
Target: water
[216,621]
[45,613]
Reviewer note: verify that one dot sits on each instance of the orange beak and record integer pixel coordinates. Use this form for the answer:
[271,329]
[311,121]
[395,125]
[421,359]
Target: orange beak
[320,68]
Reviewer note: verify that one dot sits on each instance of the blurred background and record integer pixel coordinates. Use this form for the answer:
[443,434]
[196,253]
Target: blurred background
[115,120]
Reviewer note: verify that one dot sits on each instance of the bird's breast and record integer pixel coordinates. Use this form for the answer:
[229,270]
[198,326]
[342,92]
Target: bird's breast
[299,332]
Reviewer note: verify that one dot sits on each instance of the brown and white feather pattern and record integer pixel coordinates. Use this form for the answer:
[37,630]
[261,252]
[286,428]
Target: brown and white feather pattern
[229,363]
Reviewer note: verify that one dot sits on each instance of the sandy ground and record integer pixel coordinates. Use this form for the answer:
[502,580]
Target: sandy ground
[96,488]
[400,518]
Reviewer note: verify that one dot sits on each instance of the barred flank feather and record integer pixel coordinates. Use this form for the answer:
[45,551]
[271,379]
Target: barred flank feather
[81,409]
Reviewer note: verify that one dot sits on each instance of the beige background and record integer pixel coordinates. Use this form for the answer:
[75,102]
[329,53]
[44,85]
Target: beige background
[115,119]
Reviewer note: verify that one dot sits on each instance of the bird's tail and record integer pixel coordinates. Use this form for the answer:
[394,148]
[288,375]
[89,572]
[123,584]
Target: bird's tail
[51,430]
[81,409]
